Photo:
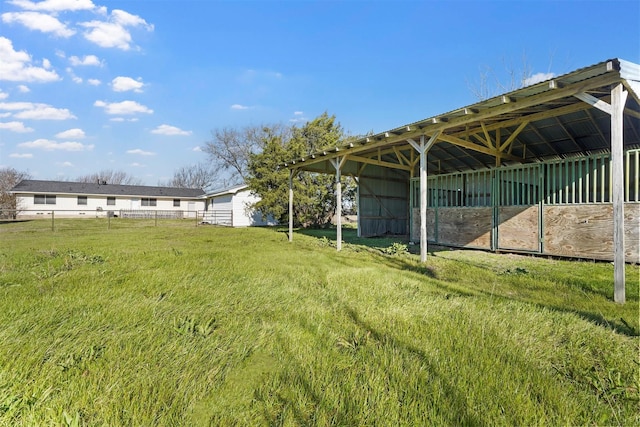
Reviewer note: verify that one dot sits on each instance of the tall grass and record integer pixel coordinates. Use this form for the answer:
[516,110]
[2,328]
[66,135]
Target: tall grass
[213,326]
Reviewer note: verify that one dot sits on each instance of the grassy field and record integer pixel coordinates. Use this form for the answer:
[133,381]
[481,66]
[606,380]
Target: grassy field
[179,325]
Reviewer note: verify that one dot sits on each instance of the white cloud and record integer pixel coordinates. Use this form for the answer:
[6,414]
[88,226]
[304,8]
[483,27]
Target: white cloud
[239,107]
[16,106]
[141,152]
[137,165]
[33,111]
[258,76]
[122,119]
[24,89]
[40,22]
[298,117]
[537,78]
[123,84]
[45,112]
[94,82]
[87,60]
[198,148]
[21,155]
[124,107]
[17,127]
[16,66]
[3,95]
[170,130]
[115,31]
[67,164]
[71,134]
[48,145]
[54,5]
[77,79]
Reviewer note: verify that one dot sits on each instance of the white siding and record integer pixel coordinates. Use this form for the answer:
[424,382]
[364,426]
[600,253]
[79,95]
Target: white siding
[67,205]
[239,204]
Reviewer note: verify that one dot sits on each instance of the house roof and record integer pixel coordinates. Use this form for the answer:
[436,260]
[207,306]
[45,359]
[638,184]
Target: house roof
[554,119]
[86,188]
[229,190]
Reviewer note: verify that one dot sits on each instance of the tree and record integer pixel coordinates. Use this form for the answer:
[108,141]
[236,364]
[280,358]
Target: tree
[194,176]
[492,83]
[230,148]
[315,193]
[111,177]
[9,178]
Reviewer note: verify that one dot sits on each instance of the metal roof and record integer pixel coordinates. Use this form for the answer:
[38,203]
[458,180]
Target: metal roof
[93,189]
[229,190]
[548,120]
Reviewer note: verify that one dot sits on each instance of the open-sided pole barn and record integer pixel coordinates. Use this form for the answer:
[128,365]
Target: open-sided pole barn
[552,168]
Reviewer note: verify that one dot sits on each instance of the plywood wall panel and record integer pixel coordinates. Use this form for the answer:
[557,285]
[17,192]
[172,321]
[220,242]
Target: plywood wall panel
[415,224]
[518,228]
[587,231]
[465,227]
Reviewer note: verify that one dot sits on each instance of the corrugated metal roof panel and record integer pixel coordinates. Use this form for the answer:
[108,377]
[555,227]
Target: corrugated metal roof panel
[228,190]
[629,70]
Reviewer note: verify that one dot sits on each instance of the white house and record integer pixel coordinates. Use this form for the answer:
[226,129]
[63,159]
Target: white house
[78,199]
[233,207]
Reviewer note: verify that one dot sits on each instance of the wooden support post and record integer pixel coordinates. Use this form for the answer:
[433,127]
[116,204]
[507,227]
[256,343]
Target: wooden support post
[422,149]
[618,100]
[357,179]
[291,205]
[423,201]
[337,164]
[338,210]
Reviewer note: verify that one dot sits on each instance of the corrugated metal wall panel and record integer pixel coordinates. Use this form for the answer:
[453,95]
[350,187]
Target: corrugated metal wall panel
[384,202]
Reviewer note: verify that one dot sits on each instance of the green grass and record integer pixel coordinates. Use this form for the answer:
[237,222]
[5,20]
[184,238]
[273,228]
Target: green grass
[178,325]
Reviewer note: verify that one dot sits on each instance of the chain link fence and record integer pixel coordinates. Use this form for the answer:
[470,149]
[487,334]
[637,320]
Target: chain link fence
[22,220]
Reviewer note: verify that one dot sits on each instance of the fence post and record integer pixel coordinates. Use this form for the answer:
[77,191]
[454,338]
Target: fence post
[108,221]
[53,221]
[156,215]
[197,218]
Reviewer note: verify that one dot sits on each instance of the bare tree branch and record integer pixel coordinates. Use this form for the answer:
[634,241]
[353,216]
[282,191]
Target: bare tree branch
[200,175]
[9,178]
[230,148]
[111,177]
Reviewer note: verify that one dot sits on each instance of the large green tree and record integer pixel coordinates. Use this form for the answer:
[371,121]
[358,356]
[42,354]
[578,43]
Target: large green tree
[315,201]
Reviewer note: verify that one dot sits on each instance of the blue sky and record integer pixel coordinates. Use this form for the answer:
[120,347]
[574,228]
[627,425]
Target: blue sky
[139,85]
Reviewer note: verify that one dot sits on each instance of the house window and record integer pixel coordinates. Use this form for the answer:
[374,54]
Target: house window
[149,202]
[82,200]
[111,201]
[176,203]
[44,199]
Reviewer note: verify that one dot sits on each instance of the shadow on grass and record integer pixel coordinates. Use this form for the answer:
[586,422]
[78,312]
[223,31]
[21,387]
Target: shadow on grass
[13,221]
[349,236]
[462,416]
[620,325]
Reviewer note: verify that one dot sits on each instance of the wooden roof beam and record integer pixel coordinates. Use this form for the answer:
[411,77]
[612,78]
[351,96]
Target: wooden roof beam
[401,157]
[514,135]
[594,102]
[488,141]
[471,114]
[479,148]
[568,109]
